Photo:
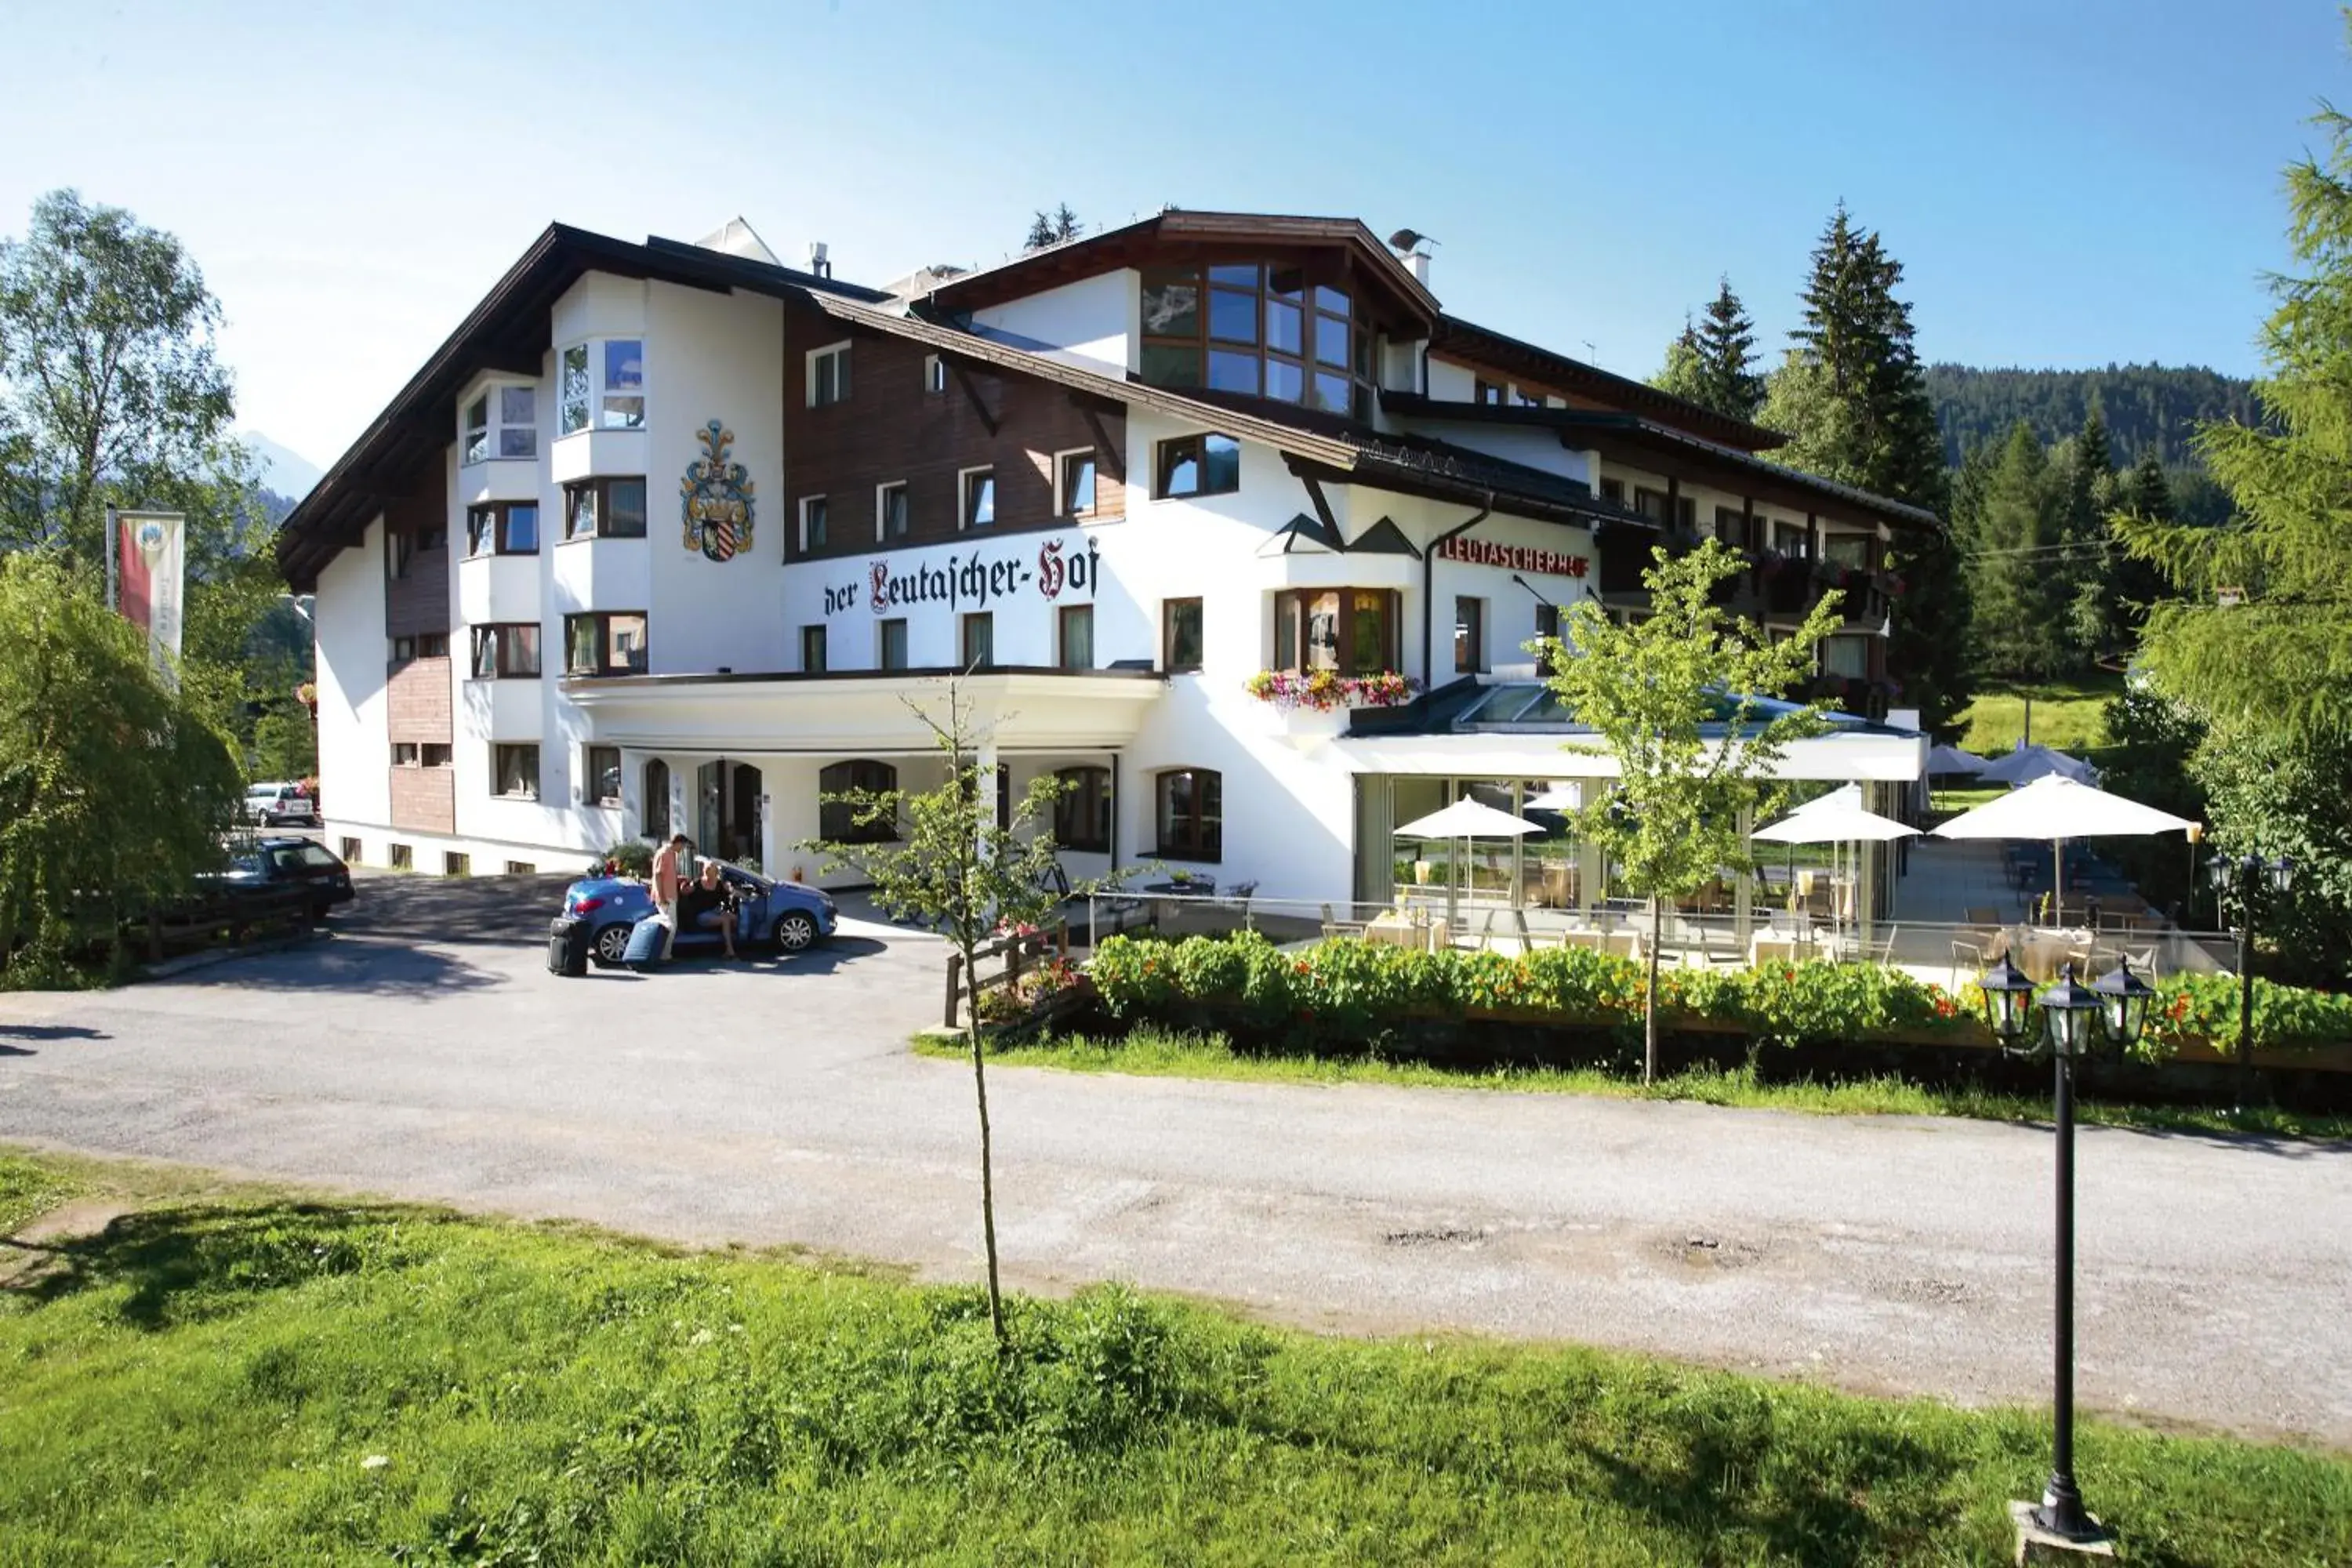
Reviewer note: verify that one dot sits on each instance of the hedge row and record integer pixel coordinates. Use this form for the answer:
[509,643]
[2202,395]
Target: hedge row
[1357,991]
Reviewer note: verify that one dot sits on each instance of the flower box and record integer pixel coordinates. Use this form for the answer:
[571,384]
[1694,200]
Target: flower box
[1326,690]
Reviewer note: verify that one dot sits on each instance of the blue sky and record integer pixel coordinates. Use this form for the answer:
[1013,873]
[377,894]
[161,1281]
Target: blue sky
[2066,183]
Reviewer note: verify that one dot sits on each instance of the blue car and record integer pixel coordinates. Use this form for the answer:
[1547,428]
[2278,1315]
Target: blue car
[784,915]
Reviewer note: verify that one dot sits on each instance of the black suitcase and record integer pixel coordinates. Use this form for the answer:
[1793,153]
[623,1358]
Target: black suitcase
[567,946]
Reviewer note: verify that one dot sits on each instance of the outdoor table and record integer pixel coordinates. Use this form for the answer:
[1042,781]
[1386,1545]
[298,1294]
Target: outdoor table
[1622,943]
[1778,946]
[2041,954]
[1399,931]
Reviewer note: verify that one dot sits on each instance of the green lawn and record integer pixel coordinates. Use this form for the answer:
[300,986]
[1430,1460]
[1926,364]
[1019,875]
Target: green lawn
[2067,715]
[275,1382]
[1154,1053]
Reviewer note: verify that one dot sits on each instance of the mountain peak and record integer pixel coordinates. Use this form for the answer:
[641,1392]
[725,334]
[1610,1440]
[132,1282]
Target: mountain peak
[283,469]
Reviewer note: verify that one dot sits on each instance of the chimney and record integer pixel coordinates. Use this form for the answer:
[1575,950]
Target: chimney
[818,265]
[1419,262]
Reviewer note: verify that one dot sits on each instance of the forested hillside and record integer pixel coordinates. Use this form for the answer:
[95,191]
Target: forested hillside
[2148,408]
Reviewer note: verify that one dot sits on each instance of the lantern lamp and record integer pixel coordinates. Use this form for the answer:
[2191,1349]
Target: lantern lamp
[2282,874]
[2007,994]
[2072,1014]
[2124,998]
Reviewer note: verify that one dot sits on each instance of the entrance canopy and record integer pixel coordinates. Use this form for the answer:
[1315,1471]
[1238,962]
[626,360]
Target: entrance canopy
[863,712]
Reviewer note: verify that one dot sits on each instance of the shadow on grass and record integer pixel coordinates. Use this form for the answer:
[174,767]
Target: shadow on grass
[186,1264]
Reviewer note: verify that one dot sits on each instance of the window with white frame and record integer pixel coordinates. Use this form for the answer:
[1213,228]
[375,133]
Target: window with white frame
[500,422]
[978,486]
[828,375]
[623,405]
[889,512]
[600,385]
[1074,483]
[813,517]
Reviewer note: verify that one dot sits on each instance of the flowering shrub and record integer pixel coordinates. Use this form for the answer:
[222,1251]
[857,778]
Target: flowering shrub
[1354,989]
[1324,689]
[2192,1009]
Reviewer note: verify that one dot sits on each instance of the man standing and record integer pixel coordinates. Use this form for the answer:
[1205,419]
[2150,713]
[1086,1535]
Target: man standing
[669,874]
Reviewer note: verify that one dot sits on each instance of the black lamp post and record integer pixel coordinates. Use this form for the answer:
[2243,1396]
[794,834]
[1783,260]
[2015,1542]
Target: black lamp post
[2076,1020]
[2247,877]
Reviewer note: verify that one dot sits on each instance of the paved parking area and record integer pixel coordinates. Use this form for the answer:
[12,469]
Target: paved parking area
[426,1053]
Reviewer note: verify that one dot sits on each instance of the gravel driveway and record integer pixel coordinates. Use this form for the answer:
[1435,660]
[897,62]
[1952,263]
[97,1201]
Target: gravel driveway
[777,1102]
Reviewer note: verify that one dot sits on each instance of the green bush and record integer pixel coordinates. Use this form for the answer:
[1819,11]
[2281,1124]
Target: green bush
[1352,991]
[635,857]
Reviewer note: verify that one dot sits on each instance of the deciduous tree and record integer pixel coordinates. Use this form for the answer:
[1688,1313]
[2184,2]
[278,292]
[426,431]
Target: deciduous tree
[1676,699]
[114,786]
[954,866]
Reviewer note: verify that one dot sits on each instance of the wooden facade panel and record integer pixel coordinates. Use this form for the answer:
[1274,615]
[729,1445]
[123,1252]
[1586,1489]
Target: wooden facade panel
[416,702]
[892,429]
[425,800]
[418,602]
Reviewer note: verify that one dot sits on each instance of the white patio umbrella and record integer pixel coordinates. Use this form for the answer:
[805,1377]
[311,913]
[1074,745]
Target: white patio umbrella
[1837,817]
[2027,764]
[1952,760]
[1465,819]
[2057,808]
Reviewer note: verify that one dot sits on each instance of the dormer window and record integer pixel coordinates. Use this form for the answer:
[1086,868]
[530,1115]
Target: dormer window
[501,422]
[1260,330]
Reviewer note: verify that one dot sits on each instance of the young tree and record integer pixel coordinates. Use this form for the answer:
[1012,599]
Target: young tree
[1683,375]
[114,789]
[954,866]
[1675,700]
[1852,397]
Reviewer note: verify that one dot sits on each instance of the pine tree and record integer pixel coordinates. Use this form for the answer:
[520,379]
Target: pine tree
[1852,397]
[1052,227]
[2018,601]
[1726,349]
[2085,585]
[1712,363]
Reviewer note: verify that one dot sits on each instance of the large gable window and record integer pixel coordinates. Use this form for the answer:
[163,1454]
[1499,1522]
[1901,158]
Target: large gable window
[1262,330]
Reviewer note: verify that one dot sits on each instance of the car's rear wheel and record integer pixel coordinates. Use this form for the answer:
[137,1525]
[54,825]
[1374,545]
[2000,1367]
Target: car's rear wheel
[796,932]
[612,945]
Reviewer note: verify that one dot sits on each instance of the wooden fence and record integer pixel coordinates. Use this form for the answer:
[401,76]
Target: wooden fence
[1011,954]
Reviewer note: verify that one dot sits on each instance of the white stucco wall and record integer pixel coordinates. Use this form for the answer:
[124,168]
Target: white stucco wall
[353,737]
[1093,323]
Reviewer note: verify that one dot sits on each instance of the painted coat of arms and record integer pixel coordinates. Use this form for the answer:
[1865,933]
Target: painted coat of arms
[715,498]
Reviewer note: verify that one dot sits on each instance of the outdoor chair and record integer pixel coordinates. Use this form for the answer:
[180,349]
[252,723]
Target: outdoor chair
[1337,927]
[1882,953]
[1976,950]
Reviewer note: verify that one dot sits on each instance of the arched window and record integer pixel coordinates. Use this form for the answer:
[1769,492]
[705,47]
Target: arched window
[838,820]
[1190,814]
[1082,811]
[653,815]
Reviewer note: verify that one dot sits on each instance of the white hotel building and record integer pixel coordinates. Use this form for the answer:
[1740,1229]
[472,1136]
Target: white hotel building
[666,536]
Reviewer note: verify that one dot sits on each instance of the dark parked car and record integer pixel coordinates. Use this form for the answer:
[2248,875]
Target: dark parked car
[291,862]
[785,915]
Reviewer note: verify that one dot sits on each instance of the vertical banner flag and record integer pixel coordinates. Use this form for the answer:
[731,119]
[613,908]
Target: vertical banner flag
[152,568]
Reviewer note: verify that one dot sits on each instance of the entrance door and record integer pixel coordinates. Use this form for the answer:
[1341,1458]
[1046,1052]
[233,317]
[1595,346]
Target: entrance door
[710,808]
[743,811]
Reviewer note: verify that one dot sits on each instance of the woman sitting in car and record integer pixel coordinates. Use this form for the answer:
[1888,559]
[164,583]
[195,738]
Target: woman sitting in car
[704,906]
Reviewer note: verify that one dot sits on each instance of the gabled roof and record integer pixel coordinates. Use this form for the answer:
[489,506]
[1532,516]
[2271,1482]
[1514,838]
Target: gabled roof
[1541,366]
[507,331]
[510,331]
[1176,234]
[1608,428]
